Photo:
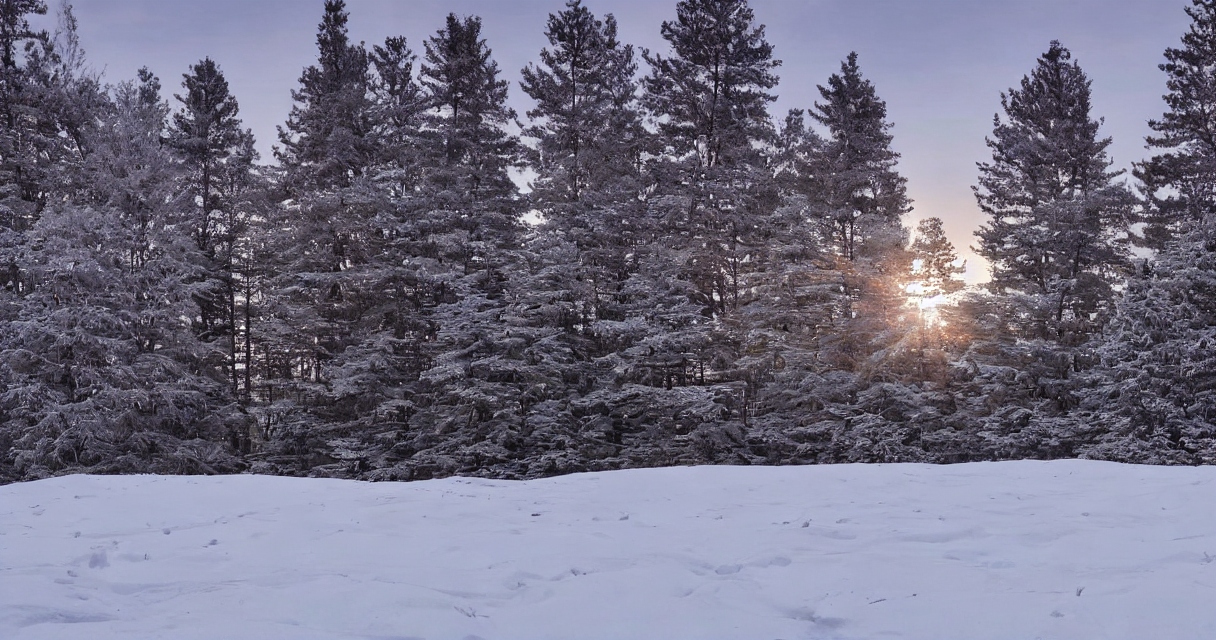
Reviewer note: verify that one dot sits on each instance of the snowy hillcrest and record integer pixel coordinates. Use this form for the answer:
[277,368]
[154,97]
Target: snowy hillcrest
[1067,549]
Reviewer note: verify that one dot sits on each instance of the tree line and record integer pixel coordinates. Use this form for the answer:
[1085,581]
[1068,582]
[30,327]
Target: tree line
[685,279]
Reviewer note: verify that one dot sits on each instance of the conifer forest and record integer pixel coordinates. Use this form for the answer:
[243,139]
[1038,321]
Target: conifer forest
[681,277]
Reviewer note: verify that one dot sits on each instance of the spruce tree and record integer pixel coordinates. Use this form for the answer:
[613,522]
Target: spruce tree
[327,141]
[328,320]
[854,199]
[1152,393]
[713,92]
[217,155]
[851,180]
[470,118]
[710,99]
[104,372]
[399,107]
[1179,181]
[696,244]
[585,122]
[1058,218]
[935,260]
[205,133]
[589,137]
[1153,399]
[29,143]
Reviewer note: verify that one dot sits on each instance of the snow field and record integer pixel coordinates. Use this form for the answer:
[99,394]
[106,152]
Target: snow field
[1017,550]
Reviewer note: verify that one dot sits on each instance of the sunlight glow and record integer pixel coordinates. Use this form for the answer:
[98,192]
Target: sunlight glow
[927,302]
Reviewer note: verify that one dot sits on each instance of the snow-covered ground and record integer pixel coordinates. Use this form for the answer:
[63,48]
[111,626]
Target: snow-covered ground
[1019,550]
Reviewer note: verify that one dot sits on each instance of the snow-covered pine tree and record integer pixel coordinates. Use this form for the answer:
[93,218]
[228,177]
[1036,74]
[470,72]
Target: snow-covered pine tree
[1057,235]
[1153,398]
[1179,181]
[328,140]
[588,139]
[851,179]
[45,100]
[101,369]
[460,409]
[1153,395]
[205,133]
[862,200]
[585,122]
[935,263]
[1057,242]
[937,328]
[470,147]
[399,105]
[840,394]
[337,325]
[679,394]
[217,156]
[709,101]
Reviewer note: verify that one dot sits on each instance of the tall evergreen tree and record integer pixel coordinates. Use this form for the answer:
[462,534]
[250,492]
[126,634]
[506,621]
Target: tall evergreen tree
[712,94]
[101,369]
[589,140]
[327,248]
[1179,181]
[588,130]
[851,180]
[1153,399]
[218,158]
[1153,393]
[470,117]
[205,133]
[327,141]
[399,108]
[935,262]
[854,200]
[710,102]
[1056,237]
[29,127]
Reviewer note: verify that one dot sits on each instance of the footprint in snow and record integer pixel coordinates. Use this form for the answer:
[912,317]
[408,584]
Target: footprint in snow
[99,560]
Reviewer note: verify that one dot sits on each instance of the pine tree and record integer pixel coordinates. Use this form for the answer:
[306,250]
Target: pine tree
[1152,393]
[935,263]
[1153,399]
[854,200]
[851,178]
[218,156]
[713,93]
[399,106]
[205,133]
[710,100]
[328,250]
[1179,182]
[463,239]
[671,318]
[327,141]
[470,116]
[589,139]
[1058,218]
[29,143]
[102,371]
[935,276]
[588,130]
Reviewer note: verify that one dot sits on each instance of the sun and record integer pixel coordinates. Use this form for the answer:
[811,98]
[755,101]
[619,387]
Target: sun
[927,300]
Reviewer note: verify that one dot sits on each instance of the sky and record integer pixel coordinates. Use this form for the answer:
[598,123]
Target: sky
[940,65]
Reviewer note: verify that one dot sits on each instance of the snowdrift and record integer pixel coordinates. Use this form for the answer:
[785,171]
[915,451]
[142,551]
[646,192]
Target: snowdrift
[1018,550]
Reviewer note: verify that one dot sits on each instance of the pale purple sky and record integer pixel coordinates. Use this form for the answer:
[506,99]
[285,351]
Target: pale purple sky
[939,64]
